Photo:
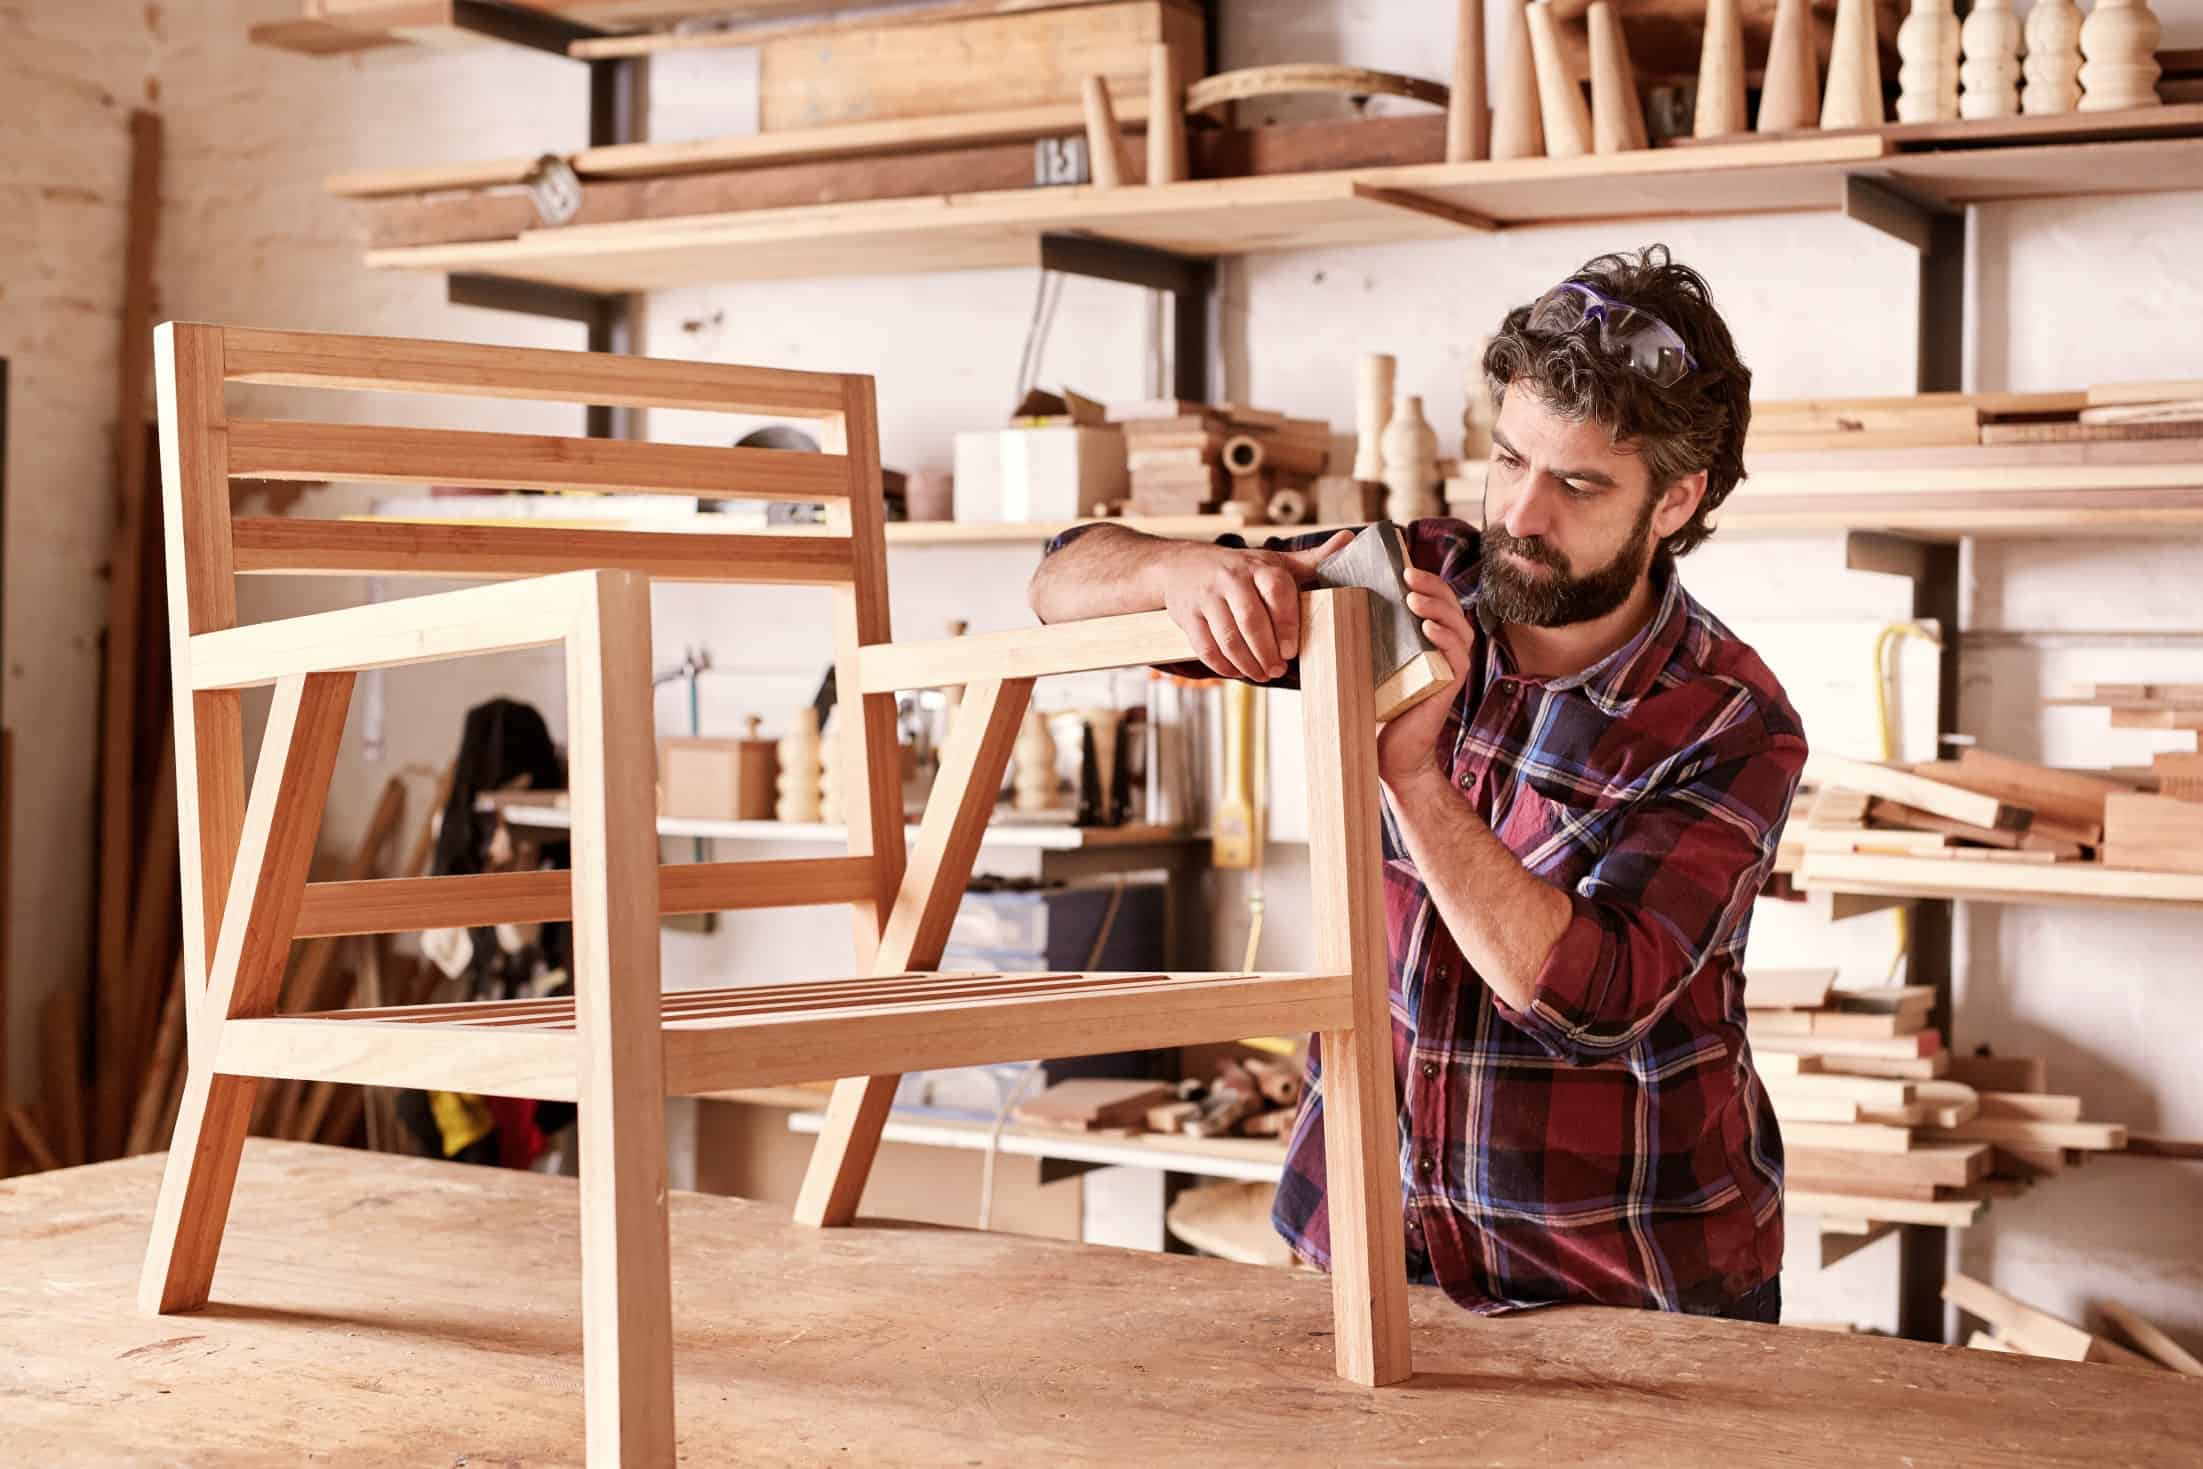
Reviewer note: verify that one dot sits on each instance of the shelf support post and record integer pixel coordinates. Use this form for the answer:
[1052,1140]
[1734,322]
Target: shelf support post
[1937,231]
[1923,1251]
[1189,280]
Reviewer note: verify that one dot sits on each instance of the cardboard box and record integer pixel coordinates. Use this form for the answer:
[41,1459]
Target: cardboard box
[717,779]
[1046,474]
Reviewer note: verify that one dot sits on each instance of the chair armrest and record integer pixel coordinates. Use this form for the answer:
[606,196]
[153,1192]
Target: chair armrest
[529,613]
[1126,641]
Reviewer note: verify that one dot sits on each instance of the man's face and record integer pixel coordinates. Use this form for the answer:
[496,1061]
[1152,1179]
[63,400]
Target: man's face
[1570,521]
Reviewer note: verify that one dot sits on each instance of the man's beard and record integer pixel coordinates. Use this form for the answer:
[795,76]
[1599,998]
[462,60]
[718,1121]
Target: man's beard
[1559,599]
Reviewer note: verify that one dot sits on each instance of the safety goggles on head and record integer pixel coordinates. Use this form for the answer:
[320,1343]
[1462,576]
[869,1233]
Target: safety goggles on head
[1652,348]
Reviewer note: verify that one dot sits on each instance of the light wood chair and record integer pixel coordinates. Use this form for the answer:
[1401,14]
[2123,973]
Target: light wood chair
[618,1047]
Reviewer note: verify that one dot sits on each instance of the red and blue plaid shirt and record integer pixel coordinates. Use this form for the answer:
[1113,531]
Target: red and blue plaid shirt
[1611,1144]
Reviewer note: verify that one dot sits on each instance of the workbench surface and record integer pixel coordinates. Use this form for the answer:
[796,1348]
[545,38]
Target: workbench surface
[379,1310]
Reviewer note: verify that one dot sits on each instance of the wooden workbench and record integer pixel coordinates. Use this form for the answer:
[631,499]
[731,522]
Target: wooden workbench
[378,1310]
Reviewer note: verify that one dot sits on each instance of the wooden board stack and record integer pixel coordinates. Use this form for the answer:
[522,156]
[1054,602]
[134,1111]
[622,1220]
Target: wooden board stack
[2108,412]
[1881,1125]
[1981,807]
[2161,832]
[1195,458]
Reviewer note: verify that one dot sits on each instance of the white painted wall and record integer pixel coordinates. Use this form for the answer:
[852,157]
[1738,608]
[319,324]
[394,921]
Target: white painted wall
[2070,292]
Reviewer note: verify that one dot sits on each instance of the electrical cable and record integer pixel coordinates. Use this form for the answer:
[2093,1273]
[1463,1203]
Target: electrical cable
[1883,642]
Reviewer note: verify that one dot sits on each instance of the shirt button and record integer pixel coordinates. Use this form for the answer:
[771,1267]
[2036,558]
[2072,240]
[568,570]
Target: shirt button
[1430,1068]
[1427,1164]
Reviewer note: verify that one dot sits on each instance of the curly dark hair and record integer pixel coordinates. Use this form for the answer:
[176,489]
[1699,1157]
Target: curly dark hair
[1699,423]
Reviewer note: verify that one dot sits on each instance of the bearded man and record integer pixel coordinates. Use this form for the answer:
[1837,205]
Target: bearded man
[1574,835]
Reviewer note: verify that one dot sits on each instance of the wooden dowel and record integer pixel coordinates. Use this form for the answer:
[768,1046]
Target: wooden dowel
[1468,112]
[1166,118]
[1104,142]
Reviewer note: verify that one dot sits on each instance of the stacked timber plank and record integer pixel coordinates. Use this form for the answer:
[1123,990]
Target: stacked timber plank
[2108,413]
[1881,1126]
[1187,458]
[2017,1328]
[2161,832]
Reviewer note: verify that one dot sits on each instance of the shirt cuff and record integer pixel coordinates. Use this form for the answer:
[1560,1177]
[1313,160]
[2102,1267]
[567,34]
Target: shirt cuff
[1577,971]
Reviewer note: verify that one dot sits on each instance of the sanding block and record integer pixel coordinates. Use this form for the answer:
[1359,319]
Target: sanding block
[1409,670]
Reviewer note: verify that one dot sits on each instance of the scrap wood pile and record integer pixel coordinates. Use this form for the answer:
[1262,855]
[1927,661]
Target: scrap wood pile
[2014,1327]
[1197,458]
[2106,413]
[2161,831]
[1985,807]
[1248,1096]
[1881,1125]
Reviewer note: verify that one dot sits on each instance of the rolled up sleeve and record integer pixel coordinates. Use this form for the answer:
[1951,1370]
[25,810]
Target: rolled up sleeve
[1670,889]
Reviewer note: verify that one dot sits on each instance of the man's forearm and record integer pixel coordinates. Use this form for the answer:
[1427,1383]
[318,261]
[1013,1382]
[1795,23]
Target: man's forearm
[1503,918]
[1108,569]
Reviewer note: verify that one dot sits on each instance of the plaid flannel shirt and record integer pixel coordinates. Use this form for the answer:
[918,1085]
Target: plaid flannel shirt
[1612,1143]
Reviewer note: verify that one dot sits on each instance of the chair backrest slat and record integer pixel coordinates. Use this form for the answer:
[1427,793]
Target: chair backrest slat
[467,550]
[294,450]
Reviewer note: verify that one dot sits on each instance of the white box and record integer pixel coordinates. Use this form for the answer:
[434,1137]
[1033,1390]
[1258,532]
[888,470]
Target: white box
[1025,474]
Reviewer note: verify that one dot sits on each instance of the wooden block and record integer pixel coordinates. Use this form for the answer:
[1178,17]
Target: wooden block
[1090,1102]
[1863,1026]
[1764,1023]
[1885,999]
[1938,797]
[1867,1090]
[1942,1213]
[717,779]
[2030,1106]
[1847,1137]
[1787,989]
[1982,1341]
[2037,1332]
[2162,392]
[1872,840]
[1172,1116]
[1840,1244]
[2068,796]
[2153,832]
[1792,1107]
[1776,1064]
[1795,1181]
[2086,1136]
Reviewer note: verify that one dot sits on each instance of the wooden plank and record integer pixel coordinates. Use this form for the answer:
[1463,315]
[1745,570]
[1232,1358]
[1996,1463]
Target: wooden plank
[650,43]
[975,64]
[1903,1047]
[428,178]
[403,365]
[2066,795]
[627,1288]
[1892,784]
[269,546]
[1897,814]
[367,454]
[2151,1340]
[117,894]
[1949,1165]
[1940,1213]
[2038,1333]
[1787,989]
[2102,394]
[2155,832]
[1860,1137]
[260,912]
[408,905]
[2001,1073]
[2030,1106]
[2064,882]
[2094,1136]
[1909,1068]
[494,1061]
[850,140]
[1841,1246]
[1874,1091]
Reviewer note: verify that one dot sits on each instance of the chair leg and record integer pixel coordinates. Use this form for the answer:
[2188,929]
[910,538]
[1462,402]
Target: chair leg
[298,753]
[626,1258]
[196,1184]
[1360,1113]
[841,1160]
[1362,1194]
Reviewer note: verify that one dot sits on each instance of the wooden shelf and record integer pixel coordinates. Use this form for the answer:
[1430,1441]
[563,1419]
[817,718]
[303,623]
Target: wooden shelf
[2063,882]
[1212,217]
[1035,837]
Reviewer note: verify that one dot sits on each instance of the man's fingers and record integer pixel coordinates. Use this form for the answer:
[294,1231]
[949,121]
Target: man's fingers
[1258,637]
[1306,562]
[1281,594]
[1232,658]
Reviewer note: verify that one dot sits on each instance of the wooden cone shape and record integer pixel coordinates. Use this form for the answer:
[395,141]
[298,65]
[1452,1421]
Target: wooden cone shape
[1617,117]
[1560,101]
[1468,111]
[1790,97]
[1517,131]
[1721,72]
[1854,96]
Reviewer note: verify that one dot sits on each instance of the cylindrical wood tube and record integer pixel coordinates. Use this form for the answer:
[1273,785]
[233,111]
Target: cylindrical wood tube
[1244,454]
[1288,506]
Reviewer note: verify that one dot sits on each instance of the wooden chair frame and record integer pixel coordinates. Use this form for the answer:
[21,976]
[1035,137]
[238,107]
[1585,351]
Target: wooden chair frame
[619,1047]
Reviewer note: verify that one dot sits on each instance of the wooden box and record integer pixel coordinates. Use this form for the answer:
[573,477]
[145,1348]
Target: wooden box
[1024,474]
[717,779]
[985,63]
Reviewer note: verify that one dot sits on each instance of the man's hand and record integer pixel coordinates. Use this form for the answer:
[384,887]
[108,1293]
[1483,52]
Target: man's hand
[1242,608]
[1407,748]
